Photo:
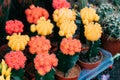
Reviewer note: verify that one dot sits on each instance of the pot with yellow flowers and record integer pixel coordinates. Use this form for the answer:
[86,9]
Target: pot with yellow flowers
[90,57]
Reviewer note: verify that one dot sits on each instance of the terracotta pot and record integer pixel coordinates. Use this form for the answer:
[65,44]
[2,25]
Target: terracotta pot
[73,75]
[85,65]
[112,45]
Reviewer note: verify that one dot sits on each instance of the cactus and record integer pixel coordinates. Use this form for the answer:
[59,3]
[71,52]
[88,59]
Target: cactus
[104,10]
[111,25]
[116,3]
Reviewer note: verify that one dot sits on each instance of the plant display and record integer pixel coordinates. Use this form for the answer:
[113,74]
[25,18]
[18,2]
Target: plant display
[45,24]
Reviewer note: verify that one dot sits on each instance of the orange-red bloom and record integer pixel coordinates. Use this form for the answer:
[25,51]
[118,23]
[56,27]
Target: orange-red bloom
[15,59]
[70,46]
[34,13]
[39,45]
[14,26]
[45,62]
[57,4]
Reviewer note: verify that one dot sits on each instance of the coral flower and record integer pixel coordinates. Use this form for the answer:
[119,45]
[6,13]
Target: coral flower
[34,13]
[14,26]
[39,45]
[45,62]
[57,4]
[70,46]
[15,59]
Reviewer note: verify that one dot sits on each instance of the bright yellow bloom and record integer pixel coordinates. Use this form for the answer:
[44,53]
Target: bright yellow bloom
[17,41]
[43,27]
[88,15]
[67,29]
[93,31]
[63,14]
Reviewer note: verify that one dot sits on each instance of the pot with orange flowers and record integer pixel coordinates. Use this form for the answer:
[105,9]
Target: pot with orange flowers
[67,58]
[90,57]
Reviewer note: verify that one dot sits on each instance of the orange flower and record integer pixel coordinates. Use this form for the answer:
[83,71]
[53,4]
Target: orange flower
[34,13]
[39,45]
[44,63]
[57,4]
[15,59]
[70,46]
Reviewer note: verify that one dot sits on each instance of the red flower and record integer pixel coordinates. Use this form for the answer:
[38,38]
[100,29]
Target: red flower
[39,45]
[15,59]
[57,4]
[14,26]
[70,46]
[34,13]
[44,63]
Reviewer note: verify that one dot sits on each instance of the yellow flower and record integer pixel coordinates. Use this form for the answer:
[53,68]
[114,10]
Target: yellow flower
[67,29]
[2,77]
[88,15]
[93,31]
[43,27]
[17,41]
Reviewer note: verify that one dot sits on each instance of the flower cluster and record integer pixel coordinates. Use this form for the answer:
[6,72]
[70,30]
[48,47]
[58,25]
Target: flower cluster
[70,46]
[17,41]
[43,27]
[93,31]
[88,15]
[67,29]
[15,59]
[44,63]
[14,26]
[39,45]
[34,13]
[63,15]
[65,18]
[58,4]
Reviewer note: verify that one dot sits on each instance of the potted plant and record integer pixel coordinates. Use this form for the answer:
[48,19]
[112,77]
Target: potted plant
[68,55]
[111,35]
[110,24]
[90,57]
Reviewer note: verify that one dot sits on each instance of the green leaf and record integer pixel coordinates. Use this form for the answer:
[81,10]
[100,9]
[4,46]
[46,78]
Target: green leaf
[48,76]
[66,62]
[17,74]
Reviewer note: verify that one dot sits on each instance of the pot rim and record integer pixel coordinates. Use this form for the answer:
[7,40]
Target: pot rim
[93,62]
[74,76]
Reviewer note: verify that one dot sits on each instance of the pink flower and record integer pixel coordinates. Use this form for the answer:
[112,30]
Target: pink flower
[57,4]
[14,26]
[45,62]
[15,59]
[70,46]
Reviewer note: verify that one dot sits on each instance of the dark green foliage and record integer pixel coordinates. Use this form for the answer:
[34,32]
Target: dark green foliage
[17,74]
[66,62]
[48,76]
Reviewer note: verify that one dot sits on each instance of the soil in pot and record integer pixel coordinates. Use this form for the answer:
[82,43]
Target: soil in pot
[72,75]
[90,64]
